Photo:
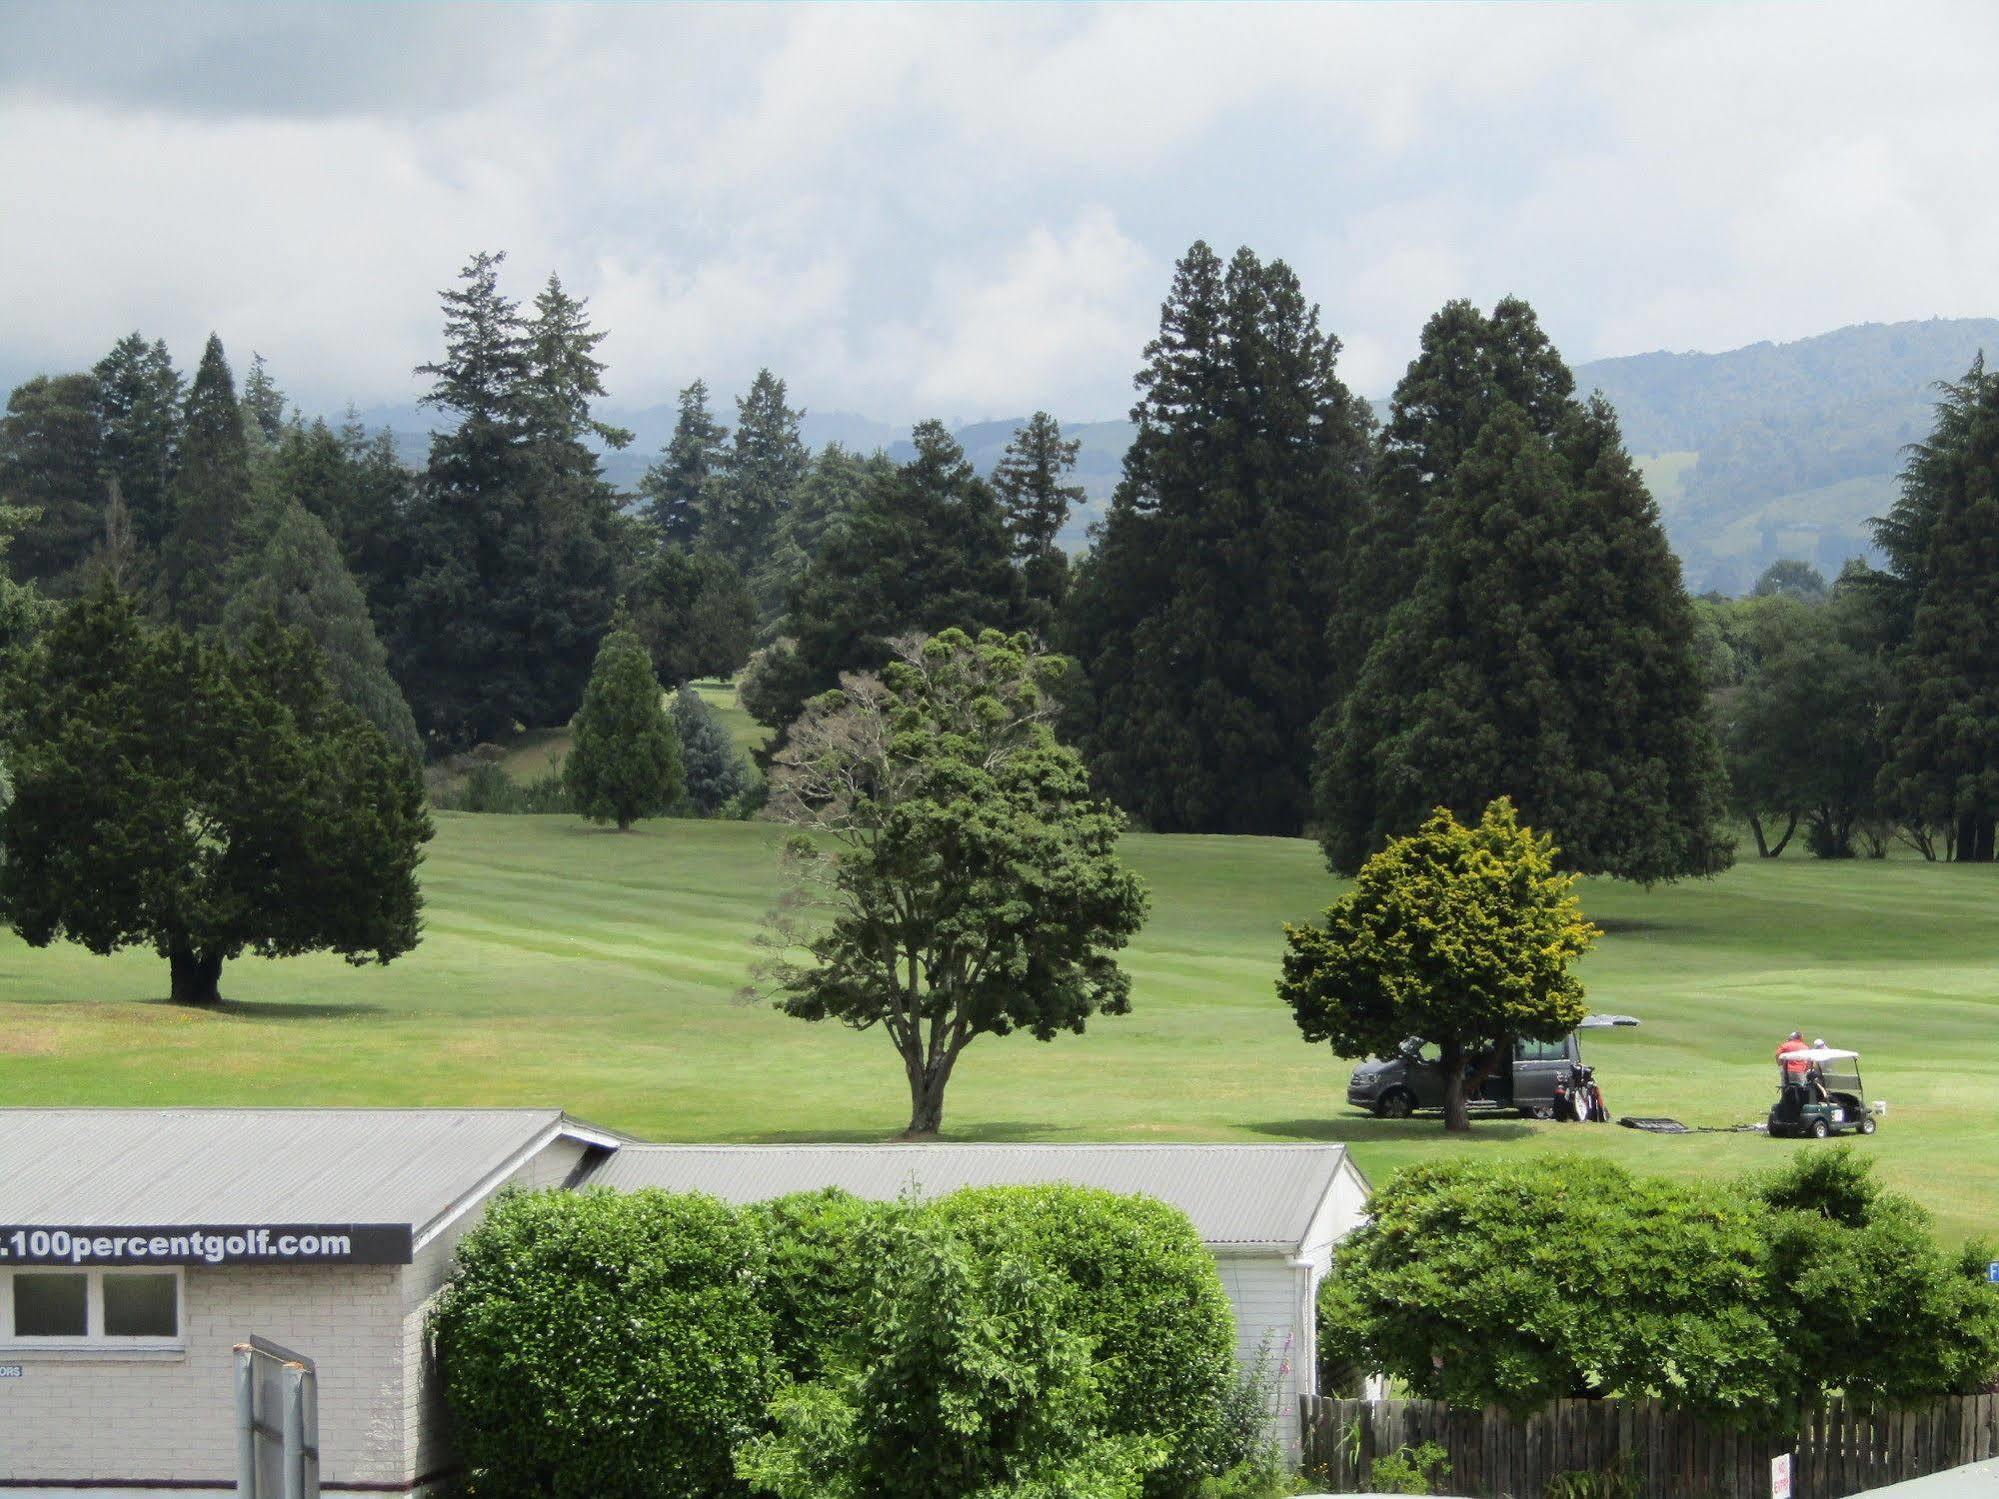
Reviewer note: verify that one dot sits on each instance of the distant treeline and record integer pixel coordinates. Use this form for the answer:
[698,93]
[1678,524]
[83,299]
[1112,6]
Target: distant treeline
[1293,616]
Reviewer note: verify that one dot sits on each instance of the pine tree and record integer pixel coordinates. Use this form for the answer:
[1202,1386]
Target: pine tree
[719,777]
[923,551]
[760,470]
[1200,617]
[465,613]
[139,403]
[1546,654]
[1037,503]
[1942,540]
[116,555]
[693,613]
[624,758]
[51,463]
[674,488]
[263,402]
[833,485]
[290,568]
[210,496]
[374,525]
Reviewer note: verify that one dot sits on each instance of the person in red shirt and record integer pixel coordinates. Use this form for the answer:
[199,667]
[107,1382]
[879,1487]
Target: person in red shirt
[1794,1069]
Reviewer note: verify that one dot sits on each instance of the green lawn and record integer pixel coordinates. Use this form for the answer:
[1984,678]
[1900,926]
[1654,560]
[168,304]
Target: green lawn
[566,965]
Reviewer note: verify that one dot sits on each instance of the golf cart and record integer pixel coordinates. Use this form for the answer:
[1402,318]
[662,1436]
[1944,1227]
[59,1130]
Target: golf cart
[1822,1098]
[1525,1077]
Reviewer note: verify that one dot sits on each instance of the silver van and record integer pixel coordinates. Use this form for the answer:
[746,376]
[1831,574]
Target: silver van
[1521,1078]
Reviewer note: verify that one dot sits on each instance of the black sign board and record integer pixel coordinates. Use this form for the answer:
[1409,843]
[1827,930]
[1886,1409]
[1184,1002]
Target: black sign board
[206,1244]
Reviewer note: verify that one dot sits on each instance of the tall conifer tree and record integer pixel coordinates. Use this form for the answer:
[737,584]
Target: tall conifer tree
[762,466]
[675,486]
[52,464]
[1942,541]
[211,494]
[1037,503]
[1546,649]
[1200,617]
[139,403]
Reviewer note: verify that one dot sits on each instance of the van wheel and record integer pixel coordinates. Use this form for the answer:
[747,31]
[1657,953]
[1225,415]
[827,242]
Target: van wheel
[1819,1130]
[1867,1124]
[1397,1103]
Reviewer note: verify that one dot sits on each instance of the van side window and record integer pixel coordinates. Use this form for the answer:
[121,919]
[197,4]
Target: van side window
[1541,1051]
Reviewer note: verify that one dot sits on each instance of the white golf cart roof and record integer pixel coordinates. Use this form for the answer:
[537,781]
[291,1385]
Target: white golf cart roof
[1820,1054]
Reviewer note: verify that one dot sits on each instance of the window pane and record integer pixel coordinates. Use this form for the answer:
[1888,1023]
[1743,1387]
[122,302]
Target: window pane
[139,1306]
[50,1306]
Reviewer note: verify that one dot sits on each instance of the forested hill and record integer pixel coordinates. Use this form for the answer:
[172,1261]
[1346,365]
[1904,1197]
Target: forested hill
[1769,451]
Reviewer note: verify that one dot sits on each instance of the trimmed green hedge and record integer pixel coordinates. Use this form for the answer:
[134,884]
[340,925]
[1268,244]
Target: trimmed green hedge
[823,1249]
[1135,1280]
[603,1345]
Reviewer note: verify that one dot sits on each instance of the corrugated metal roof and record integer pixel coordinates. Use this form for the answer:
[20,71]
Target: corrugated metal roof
[131,1167]
[1235,1194]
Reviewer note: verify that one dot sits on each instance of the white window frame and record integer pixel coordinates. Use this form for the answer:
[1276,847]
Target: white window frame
[95,1339]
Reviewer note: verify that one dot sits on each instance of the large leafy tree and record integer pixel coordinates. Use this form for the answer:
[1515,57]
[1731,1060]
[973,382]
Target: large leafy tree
[1199,618]
[1546,653]
[176,794]
[969,883]
[923,550]
[693,612]
[52,463]
[139,403]
[760,468]
[210,496]
[624,757]
[674,489]
[1461,935]
[1036,503]
[1942,541]
[289,569]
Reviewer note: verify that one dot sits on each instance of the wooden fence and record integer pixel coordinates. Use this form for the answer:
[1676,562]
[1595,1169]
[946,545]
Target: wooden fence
[1657,1453]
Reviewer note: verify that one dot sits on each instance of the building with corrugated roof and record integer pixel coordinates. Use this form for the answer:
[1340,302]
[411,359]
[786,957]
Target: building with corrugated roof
[139,1247]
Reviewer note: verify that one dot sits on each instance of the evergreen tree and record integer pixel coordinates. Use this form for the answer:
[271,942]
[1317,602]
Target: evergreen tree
[290,569]
[1942,540]
[313,470]
[925,550]
[139,404]
[464,619]
[693,613]
[674,489]
[51,463]
[116,556]
[719,777]
[1200,617]
[1546,654]
[760,470]
[1037,504]
[263,403]
[374,526]
[624,758]
[203,802]
[832,486]
[210,495]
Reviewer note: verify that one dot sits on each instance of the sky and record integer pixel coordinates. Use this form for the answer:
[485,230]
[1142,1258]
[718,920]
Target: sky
[972,211]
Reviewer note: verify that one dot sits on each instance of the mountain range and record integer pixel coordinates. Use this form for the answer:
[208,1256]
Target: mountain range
[1760,453]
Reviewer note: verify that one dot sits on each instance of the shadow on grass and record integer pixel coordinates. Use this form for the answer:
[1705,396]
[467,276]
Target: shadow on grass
[265,1009]
[1003,1132]
[1613,926]
[1362,1128]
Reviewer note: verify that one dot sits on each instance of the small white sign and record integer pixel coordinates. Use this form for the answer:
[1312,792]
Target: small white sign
[10,1371]
[1780,1477]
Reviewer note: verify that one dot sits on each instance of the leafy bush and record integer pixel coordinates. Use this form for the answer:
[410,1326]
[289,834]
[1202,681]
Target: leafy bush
[488,788]
[966,1385]
[599,1345]
[1409,1470]
[1132,1277]
[720,780]
[823,1248]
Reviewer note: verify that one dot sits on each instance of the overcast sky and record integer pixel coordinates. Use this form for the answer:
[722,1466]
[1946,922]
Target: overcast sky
[972,211]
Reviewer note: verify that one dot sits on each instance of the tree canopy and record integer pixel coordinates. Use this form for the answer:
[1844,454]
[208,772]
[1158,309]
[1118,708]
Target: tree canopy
[202,801]
[964,881]
[1463,936]
[624,758]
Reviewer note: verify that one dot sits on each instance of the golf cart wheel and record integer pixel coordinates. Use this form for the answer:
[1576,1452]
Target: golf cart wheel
[1397,1103]
[1819,1130]
[1867,1124]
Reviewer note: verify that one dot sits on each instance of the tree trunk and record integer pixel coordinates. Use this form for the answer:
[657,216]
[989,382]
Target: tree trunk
[1777,849]
[926,1096]
[1762,845]
[1451,1062]
[1974,840]
[195,976]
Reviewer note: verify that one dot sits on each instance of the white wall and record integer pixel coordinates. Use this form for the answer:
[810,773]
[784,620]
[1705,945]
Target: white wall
[1263,1289]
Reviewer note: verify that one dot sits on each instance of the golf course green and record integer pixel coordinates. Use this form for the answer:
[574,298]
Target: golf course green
[567,965]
